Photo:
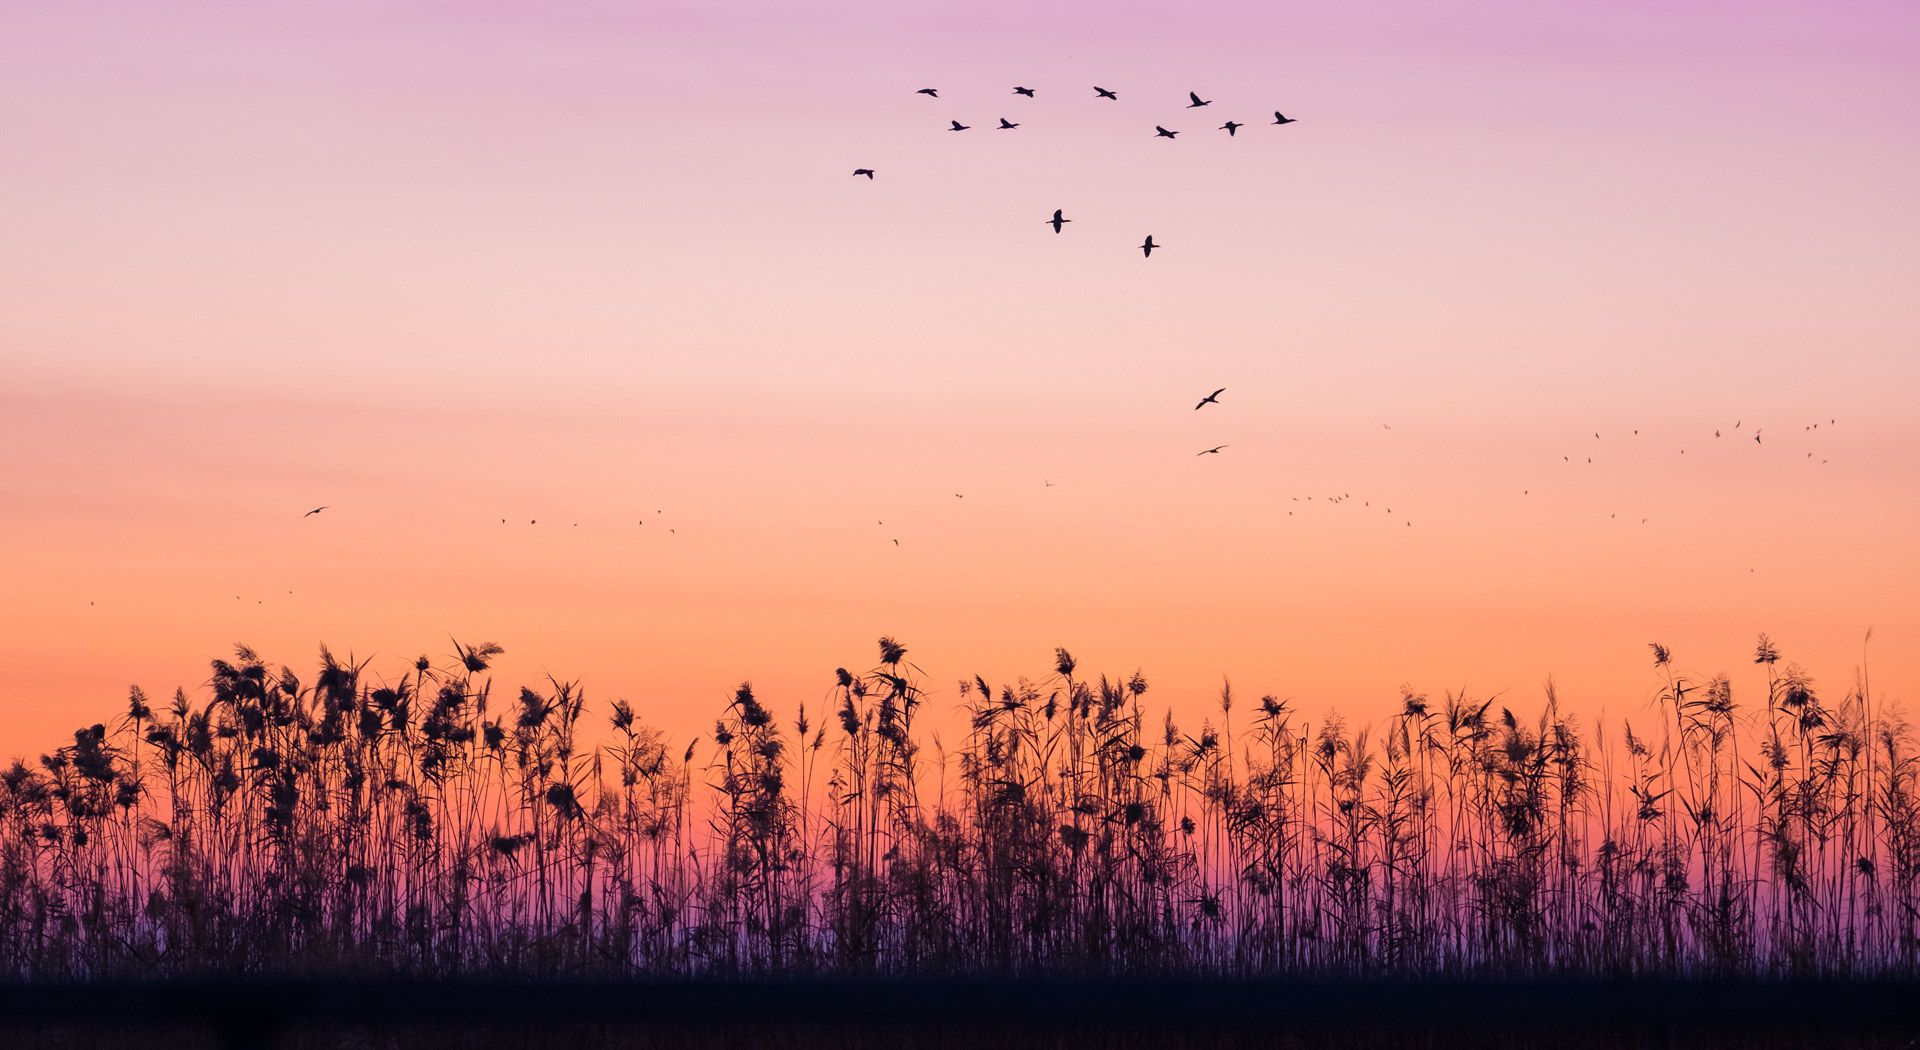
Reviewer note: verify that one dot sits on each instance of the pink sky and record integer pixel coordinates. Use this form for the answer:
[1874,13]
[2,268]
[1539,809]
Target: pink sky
[437,265]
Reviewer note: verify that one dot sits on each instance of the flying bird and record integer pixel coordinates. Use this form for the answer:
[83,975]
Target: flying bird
[1023,91]
[1147,248]
[314,511]
[1057,221]
[1104,93]
[1281,118]
[1007,125]
[1197,101]
[1163,132]
[1214,451]
[930,92]
[1231,126]
[957,126]
[1210,399]
[868,172]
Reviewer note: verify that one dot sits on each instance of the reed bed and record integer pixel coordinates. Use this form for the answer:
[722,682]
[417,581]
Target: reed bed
[422,825]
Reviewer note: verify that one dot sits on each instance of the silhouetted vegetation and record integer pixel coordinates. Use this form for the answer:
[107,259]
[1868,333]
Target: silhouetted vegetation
[418,825]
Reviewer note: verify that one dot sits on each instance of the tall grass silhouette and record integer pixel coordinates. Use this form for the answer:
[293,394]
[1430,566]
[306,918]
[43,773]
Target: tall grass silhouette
[420,825]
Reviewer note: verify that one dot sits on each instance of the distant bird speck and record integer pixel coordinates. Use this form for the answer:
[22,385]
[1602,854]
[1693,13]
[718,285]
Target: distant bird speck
[1280,118]
[1147,247]
[957,126]
[1104,93]
[1214,451]
[1210,399]
[930,92]
[1027,91]
[1231,126]
[1007,125]
[314,511]
[1197,101]
[1058,220]
[1163,132]
[868,172]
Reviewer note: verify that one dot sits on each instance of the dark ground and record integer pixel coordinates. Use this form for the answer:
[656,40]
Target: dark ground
[961,1015]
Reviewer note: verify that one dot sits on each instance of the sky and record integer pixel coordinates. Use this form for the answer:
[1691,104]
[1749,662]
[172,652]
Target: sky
[581,266]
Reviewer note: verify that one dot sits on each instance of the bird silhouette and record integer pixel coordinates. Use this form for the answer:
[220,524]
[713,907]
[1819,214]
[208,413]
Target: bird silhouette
[1197,101]
[1163,132]
[1281,118]
[1231,126]
[1104,93]
[957,126]
[314,511]
[1146,249]
[1214,451]
[1023,91]
[1007,125]
[1057,221]
[1210,399]
[868,172]
[930,92]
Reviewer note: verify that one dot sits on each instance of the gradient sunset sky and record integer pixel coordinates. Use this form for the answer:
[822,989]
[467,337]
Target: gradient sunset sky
[435,265]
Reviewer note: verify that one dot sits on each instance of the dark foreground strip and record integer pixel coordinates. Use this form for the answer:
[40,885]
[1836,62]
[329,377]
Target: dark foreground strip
[1856,1005]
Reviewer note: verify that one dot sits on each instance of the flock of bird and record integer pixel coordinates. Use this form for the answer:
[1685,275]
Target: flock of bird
[1335,499]
[1059,220]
